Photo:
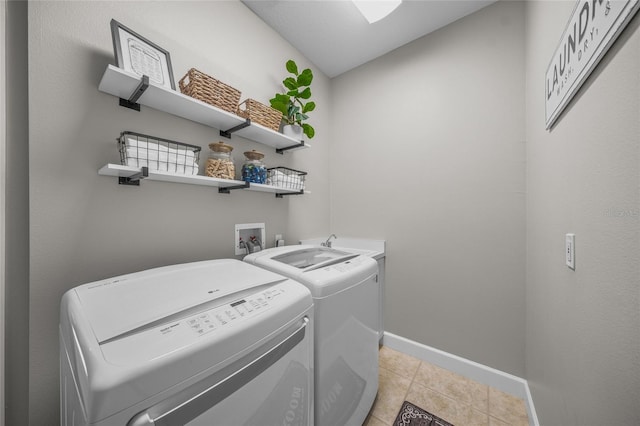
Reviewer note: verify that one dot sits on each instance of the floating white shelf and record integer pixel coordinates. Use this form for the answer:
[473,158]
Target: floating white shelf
[117,82]
[120,171]
[122,84]
[258,133]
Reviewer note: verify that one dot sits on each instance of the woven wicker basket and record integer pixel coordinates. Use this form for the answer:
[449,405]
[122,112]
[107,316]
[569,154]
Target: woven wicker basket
[207,89]
[260,113]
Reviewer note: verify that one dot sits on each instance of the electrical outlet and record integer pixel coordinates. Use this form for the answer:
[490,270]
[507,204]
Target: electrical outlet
[570,250]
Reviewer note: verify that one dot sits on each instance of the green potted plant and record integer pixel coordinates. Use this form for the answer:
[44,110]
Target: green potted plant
[295,104]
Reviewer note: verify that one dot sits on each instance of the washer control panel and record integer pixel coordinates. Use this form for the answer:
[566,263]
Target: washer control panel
[247,307]
[347,265]
[228,321]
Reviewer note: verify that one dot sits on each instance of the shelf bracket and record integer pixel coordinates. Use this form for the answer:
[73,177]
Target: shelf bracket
[135,178]
[282,194]
[132,102]
[228,189]
[286,148]
[227,133]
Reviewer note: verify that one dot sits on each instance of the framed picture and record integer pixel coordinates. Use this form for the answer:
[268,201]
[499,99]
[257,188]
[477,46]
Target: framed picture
[138,55]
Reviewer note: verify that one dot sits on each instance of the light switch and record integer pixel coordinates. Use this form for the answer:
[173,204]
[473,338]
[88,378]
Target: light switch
[570,250]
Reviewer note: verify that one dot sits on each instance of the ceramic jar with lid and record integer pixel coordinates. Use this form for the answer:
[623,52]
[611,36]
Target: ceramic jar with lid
[220,164]
[253,169]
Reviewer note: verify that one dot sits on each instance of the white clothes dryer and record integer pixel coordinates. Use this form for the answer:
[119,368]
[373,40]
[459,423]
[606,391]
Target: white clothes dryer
[208,343]
[345,295]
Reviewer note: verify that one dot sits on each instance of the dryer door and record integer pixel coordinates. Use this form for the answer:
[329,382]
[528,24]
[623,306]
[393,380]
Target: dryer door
[270,386]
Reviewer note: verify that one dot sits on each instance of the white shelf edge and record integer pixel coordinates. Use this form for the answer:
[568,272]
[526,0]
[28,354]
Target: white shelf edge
[266,136]
[118,170]
[261,187]
[120,83]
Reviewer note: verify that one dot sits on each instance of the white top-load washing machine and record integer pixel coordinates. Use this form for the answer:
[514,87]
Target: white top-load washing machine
[345,295]
[201,344]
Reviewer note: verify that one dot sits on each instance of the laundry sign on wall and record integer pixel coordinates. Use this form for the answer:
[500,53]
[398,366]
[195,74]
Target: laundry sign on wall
[593,27]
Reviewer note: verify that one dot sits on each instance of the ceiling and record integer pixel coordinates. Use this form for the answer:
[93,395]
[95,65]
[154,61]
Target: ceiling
[336,37]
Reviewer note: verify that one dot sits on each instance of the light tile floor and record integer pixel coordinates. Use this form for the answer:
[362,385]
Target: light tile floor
[450,396]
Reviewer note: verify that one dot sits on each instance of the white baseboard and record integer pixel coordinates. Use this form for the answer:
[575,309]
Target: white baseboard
[480,373]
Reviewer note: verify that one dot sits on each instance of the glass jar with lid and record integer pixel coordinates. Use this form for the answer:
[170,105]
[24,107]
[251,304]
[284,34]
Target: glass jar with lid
[253,169]
[220,164]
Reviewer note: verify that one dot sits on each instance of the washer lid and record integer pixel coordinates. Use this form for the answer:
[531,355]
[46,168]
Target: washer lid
[128,303]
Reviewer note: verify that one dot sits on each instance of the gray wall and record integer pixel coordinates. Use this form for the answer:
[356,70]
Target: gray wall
[16,217]
[86,227]
[428,153]
[583,339]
